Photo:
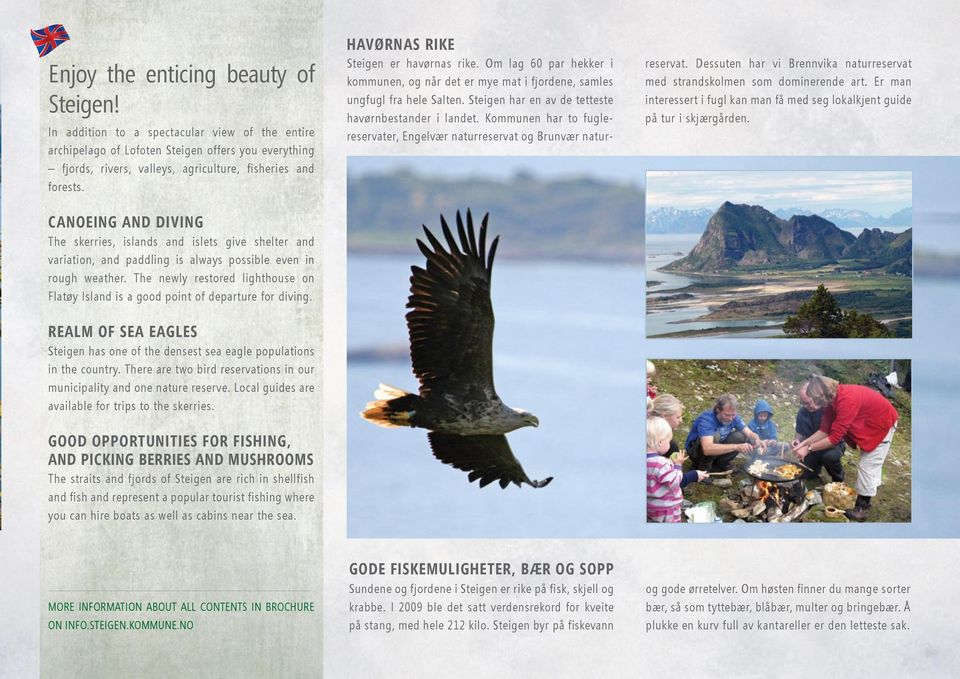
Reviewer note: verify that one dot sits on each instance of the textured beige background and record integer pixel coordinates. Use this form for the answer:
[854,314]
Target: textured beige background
[632,33]
[20,537]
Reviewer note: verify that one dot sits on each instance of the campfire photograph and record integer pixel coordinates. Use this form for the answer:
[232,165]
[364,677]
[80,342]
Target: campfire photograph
[779,441]
[789,254]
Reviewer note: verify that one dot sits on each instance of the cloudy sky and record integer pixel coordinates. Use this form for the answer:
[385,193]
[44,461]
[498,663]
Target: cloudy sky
[877,192]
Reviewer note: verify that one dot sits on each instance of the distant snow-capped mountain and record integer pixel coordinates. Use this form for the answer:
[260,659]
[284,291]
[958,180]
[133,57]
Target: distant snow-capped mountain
[788,212]
[673,220]
[847,218]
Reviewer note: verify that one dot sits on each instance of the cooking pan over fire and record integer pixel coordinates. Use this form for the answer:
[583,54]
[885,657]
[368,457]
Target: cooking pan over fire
[774,464]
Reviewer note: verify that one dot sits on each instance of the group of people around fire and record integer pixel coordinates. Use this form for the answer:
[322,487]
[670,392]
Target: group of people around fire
[831,417]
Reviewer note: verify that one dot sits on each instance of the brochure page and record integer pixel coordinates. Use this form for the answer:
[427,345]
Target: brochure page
[376,340]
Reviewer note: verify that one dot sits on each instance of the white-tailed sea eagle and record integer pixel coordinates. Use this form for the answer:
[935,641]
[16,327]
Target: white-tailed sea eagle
[451,345]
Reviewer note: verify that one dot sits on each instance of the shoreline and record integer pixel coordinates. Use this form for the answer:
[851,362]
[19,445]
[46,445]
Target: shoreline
[759,298]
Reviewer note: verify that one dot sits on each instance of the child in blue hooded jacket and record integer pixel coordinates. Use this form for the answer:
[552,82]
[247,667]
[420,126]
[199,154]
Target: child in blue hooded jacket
[762,423]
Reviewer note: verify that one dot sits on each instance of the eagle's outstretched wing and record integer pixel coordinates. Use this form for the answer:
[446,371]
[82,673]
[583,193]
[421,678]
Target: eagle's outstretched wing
[451,317]
[487,458]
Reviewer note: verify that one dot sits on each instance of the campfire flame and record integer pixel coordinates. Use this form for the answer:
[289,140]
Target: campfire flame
[768,491]
[771,502]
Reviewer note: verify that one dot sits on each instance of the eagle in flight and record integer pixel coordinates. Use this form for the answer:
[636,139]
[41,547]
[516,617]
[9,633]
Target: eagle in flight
[450,323]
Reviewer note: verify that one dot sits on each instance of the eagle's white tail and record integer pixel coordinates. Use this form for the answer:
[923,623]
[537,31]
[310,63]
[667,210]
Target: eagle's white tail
[393,407]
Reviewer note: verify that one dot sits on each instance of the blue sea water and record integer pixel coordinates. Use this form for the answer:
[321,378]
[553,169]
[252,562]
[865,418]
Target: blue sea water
[565,348]
[570,347]
[661,249]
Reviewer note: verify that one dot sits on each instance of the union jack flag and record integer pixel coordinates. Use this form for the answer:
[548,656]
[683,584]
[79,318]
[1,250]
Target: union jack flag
[48,39]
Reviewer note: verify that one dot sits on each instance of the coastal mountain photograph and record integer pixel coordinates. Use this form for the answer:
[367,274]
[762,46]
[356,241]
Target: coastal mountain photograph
[781,254]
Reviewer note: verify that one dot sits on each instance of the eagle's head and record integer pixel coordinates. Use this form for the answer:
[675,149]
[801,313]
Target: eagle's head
[526,418]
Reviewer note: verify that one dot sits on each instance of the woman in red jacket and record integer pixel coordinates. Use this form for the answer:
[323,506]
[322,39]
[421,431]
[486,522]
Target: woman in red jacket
[861,417]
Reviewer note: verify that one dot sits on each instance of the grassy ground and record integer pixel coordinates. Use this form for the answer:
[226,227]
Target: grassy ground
[698,383]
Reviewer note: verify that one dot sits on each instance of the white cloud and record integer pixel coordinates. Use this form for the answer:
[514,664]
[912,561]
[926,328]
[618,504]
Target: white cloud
[880,193]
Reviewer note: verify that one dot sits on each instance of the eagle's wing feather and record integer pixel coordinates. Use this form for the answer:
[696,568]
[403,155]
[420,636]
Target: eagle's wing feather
[451,318]
[486,458]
